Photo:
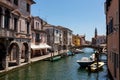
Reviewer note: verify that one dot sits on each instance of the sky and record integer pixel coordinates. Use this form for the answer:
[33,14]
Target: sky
[80,16]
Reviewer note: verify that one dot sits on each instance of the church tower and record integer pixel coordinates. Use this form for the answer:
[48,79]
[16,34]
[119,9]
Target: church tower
[95,32]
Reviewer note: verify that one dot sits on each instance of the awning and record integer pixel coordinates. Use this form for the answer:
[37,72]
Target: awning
[40,46]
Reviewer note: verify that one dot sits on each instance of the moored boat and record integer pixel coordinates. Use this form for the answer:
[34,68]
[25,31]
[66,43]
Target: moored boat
[55,58]
[94,68]
[85,61]
[69,53]
[78,51]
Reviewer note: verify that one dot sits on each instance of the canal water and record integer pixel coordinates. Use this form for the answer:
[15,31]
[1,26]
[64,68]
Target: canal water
[64,69]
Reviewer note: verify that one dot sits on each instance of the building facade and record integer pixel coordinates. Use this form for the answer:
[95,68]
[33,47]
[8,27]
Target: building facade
[76,40]
[82,39]
[112,11]
[97,40]
[60,38]
[67,38]
[101,39]
[38,39]
[15,30]
[60,46]
[52,36]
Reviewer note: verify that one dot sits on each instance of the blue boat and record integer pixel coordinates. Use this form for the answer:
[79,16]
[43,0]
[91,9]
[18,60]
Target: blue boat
[69,53]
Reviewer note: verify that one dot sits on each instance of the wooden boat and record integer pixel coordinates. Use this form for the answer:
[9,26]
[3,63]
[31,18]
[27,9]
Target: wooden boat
[85,61]
[94,68]
[55,58]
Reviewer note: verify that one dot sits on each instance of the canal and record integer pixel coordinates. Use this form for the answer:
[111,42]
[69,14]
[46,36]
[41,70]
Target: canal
[63,69]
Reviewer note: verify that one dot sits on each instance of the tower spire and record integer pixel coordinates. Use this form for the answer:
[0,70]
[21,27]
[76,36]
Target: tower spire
[95,32]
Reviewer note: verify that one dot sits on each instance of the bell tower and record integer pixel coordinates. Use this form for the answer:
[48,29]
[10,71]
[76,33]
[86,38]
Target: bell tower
[95,33]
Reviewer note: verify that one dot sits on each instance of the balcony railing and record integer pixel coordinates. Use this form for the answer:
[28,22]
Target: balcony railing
[7,33]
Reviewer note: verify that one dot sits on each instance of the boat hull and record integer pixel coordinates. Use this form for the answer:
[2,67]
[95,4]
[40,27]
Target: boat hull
[84,64]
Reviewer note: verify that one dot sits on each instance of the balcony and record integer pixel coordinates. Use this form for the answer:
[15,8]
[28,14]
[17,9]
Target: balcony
[22,35]
[7,33]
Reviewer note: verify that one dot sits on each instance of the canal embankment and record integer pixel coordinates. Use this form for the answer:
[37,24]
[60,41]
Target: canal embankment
[33,60]
[64,69]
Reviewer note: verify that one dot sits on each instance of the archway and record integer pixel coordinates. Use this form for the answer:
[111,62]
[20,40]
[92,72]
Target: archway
[2,54]
[13,54]
[24,54]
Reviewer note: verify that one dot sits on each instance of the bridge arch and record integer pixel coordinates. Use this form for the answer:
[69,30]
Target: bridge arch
[97,48]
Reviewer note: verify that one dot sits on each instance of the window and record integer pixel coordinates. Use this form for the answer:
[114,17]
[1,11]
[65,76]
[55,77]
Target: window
[7,19]
[28,7]
[27,27]
[20,25]
[37,38]
[32,35]
[0,16]
[36,25]
[0,20]
[57,31]
[15,24]
[110,27]
[16,2]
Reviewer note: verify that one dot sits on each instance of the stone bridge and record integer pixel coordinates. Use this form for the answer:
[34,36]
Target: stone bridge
[97,48]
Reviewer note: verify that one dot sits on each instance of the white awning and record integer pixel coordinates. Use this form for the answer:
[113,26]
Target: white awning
[40,46]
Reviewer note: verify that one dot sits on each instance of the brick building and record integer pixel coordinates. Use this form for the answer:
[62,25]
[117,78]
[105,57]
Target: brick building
[112,10]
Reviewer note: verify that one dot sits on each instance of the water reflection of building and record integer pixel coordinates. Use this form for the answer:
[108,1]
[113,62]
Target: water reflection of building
[112,11]
[15,22]
[38,39]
